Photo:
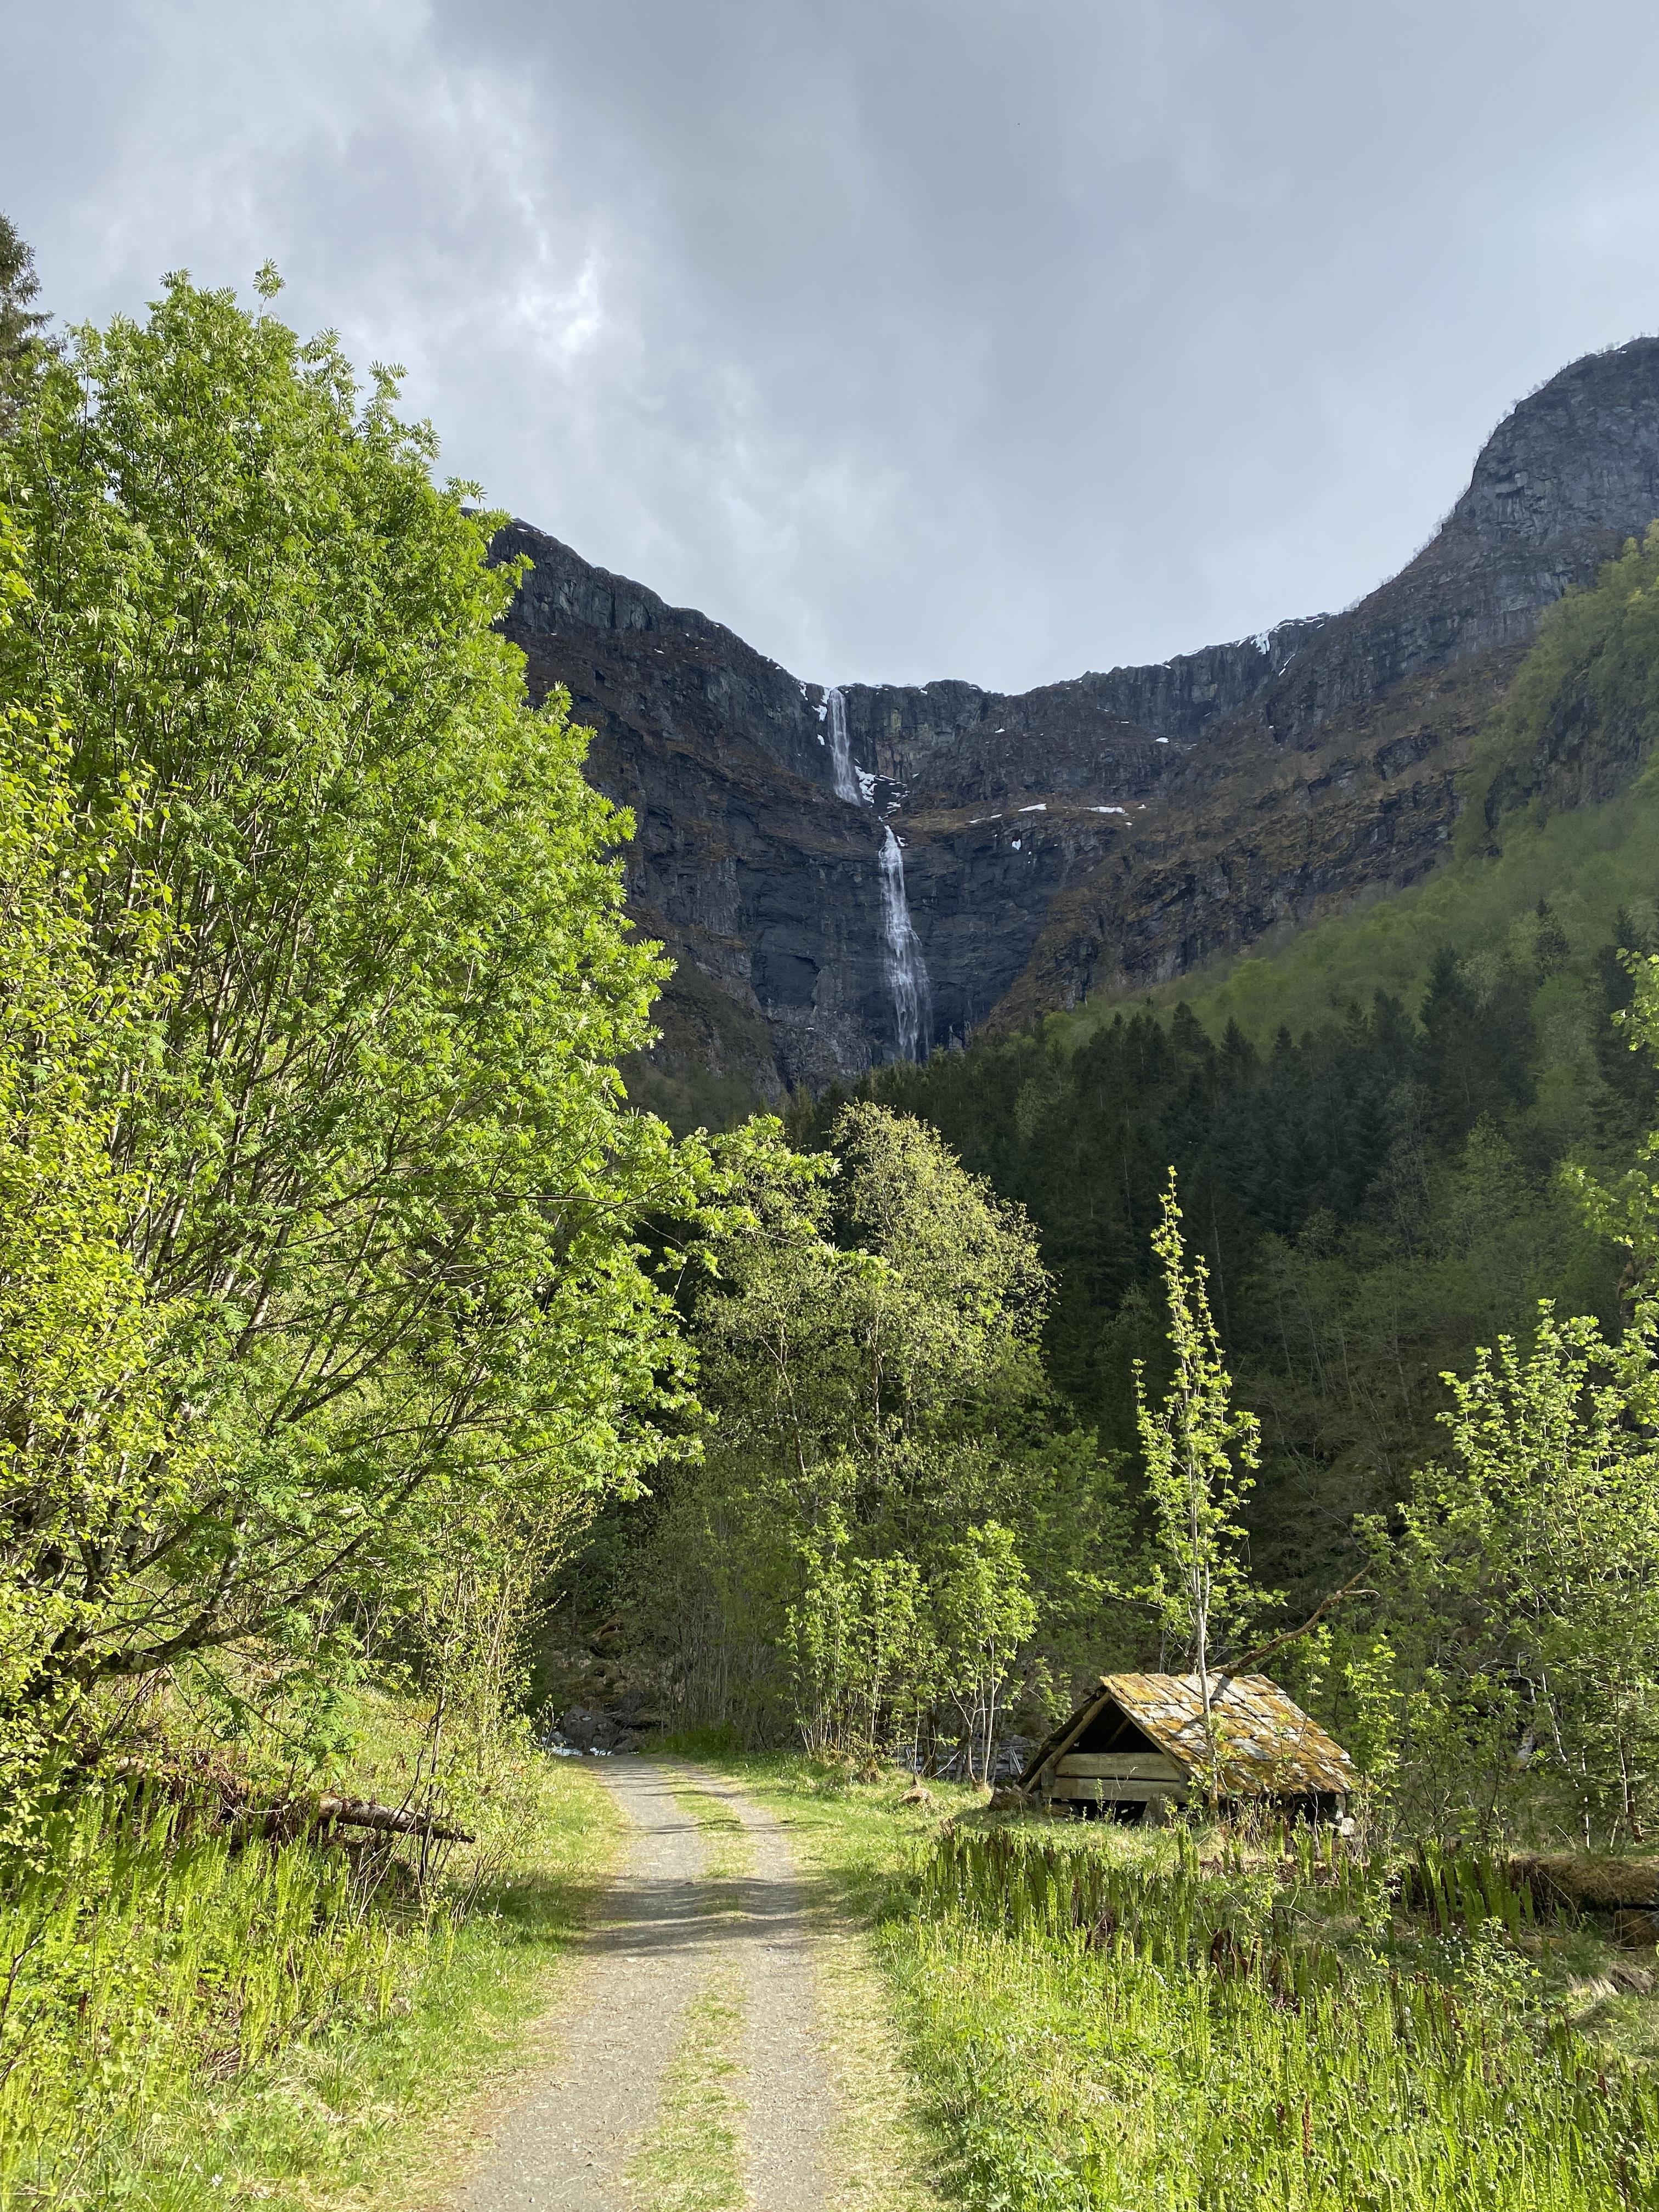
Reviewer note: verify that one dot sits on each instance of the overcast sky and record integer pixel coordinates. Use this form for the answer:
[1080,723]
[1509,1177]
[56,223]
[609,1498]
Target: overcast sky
[995,338]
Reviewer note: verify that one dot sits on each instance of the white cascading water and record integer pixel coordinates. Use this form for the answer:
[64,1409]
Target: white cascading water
[907,972]
[840,753]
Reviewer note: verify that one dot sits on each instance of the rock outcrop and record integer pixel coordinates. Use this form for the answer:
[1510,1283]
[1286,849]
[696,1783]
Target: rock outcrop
[1108,832]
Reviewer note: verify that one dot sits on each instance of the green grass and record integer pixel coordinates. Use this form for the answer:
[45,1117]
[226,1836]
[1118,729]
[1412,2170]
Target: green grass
[1587,863]
[728,1854]
[1096,2018]
[1108,2019]
[188,2024]
[692,2159]
[1018,2017]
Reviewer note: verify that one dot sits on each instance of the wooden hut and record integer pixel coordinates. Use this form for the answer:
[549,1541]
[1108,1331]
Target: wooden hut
[1133,1750]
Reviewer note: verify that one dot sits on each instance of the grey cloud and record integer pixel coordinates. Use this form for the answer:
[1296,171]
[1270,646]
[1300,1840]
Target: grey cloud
[989,339]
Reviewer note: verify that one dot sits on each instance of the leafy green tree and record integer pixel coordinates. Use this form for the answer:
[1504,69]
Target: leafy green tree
[865,1658]
[378,1169]
[1198,1450]
[870,1353]
[1626,1069]
[82,1392]
[1524,1587]
[865,1328]
[1362,1234]
[1626,1211]
[985,1613]
[1550,948]
[879,1643]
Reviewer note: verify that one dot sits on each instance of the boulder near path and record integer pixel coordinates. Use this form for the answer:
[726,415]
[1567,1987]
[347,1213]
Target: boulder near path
[692,1945]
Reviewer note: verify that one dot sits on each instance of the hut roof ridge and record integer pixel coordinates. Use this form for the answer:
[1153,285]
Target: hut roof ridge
[1259,1730]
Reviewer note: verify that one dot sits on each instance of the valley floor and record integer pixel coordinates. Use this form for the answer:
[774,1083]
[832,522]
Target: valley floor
[1017,2017]
[727,2042]
[756,1986]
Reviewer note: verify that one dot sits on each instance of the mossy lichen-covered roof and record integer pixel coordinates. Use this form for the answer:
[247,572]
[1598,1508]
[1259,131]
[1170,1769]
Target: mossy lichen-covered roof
[1265,1744]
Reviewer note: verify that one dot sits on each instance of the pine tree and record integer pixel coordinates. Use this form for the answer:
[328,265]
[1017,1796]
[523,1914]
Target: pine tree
[21,325]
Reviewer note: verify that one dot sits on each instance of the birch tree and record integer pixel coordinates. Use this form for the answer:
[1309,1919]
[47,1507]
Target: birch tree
[1200,1452]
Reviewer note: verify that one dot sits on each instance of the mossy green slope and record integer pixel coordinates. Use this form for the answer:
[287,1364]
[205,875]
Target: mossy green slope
[1577,726]
[1586,866]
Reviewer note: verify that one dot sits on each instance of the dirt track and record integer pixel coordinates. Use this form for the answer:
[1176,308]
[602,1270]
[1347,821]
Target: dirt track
[658,1942]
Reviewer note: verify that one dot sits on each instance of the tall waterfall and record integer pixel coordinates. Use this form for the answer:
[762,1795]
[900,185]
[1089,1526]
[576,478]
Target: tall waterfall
[906,972]
[901,948]
[840,753]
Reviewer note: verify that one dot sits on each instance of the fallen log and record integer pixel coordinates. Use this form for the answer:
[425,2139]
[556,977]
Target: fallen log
[296,1816]
[1579,1882]
[386,1819]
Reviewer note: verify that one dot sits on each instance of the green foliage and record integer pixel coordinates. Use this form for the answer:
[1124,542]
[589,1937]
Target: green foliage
[1595,668]
[81,1388]
[185,2016]
[1519,1582]
[1105,2022]
[1626,1210]
[1197,1449]
[1579,719]
[381,1179]
[124,1942]
[1525,1587]
[985,1614]
[1098,2017]
[864,1655]
[21,321]
[887,1494]
[1371,1199]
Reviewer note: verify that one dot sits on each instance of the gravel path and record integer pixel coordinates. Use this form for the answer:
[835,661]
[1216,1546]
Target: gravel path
[654,1946]
[787,2089]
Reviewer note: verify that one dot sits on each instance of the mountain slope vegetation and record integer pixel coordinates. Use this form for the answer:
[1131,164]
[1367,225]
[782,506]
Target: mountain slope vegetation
[1370,1124]
[1559,807]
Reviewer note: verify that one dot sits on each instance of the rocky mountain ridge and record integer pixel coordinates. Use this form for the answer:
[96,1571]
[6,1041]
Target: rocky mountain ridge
[1106,831]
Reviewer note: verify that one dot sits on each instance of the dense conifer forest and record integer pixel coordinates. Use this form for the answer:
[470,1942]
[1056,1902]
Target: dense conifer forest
[1374,1196]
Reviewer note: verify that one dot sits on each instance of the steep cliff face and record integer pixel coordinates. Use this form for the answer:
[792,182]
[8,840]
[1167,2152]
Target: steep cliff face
[1115,829]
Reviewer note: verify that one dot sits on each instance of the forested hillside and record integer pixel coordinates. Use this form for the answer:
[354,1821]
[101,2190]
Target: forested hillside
[1371,1128]
[1375,1196]
[1377,1192]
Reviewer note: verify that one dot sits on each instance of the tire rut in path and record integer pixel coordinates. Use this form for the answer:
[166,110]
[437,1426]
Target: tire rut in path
[654,1945]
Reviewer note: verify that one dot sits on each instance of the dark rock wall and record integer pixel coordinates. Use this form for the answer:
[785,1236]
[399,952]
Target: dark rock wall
[1114,829]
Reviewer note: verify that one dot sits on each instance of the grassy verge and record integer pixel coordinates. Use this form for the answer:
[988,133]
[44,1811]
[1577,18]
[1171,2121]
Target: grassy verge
[1093,2019]
[692,2159]
[188,2023]
[1104,2017]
